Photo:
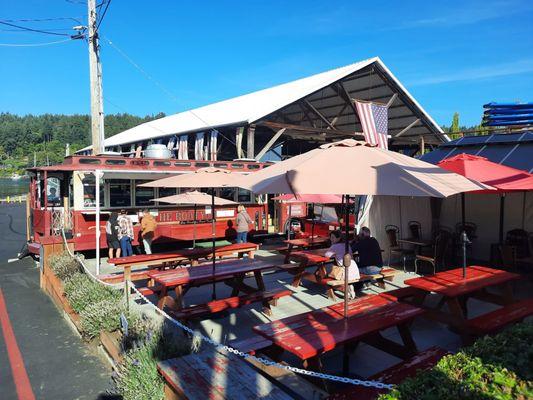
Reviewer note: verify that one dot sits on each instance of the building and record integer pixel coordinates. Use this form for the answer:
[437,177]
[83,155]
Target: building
[289,119]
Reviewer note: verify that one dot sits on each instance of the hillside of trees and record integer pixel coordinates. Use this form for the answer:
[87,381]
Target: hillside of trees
[46,136]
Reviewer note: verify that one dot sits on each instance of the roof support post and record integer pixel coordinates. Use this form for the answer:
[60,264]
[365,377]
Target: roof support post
[238,140]
[348,99]
[270,144]
[392,100]
[319,114]
[416,121]
[306,115]
[250,145]
[422,145]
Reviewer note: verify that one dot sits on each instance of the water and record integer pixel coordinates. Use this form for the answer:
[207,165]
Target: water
[10,187]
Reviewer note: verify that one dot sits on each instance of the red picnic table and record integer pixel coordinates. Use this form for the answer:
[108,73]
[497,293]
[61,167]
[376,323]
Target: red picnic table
[232,272]
[456,290]
[304,243]
[179,257]
[312,334]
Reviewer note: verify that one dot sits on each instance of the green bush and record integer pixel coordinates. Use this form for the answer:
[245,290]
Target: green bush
[103,316]
[81,291]
[497,367]
[64,266]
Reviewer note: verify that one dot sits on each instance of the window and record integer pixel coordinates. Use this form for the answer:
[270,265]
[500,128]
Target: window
[162,164]
[244,196]
[115,162]
[164,192]
[53,187]
[143,195]
[228,193]
[89,161]
[120,193]
[89,191]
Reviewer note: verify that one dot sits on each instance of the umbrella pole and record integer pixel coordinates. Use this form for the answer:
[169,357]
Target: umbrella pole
[347,259]
[213,234]
[464,237]
[194,229]
[502,212]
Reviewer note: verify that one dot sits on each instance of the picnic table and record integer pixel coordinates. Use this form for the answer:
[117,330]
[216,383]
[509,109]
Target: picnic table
[456,290]
[181,257]
[304,243]
[312,334]
[231,272]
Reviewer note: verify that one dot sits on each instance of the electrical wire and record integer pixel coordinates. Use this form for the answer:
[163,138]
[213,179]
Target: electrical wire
[45,19]
[103,14]
[34,44]
[33,30]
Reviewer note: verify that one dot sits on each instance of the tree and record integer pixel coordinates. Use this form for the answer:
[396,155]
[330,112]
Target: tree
[455,123]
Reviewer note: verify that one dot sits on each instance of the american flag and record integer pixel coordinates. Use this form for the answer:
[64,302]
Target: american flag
[374,121]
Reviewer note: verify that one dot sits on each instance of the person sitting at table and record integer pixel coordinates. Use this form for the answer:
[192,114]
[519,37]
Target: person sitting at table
[337,250]
[370,261]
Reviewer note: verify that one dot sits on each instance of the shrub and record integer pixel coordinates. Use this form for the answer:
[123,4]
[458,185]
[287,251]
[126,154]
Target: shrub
[64,266]
[494,368]
[103,316]
[81,291]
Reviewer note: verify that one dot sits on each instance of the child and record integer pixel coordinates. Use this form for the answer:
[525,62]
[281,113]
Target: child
[337,250]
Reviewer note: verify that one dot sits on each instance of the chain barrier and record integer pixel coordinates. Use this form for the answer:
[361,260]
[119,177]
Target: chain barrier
[219,346]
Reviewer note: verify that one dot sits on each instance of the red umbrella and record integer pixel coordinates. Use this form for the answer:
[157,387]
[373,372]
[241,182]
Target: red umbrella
[504,179]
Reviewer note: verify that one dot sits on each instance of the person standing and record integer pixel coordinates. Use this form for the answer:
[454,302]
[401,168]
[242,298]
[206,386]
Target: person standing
[125,233]
[242,221]
[112,230]
[148,224]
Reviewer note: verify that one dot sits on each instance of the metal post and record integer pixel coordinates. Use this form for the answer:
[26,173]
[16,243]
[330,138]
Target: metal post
[95,73]
[464,236]
[502,213]
[347,259]
[97,176]
[194,229]
[213,237]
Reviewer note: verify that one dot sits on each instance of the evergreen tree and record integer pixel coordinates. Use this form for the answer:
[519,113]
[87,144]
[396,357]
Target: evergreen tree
[455,123]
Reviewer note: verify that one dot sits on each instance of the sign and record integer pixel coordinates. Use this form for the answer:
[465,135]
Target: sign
[225,213]
[124,324]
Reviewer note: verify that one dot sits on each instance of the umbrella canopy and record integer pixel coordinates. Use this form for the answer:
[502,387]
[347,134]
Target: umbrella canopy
[202,178]
[310,198]
[194,197]
[357,168]
[501,177]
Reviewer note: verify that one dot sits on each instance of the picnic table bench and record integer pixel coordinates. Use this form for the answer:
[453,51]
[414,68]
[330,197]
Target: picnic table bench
[309,335]
[216,375]
[456,290]
[303,244]
[180,257]
[231,272]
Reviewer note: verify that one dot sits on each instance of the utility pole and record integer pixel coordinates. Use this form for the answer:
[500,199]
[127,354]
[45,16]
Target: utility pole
[95,72]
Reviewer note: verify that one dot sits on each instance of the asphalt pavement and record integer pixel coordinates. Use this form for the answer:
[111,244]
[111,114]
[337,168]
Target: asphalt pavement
[40,355]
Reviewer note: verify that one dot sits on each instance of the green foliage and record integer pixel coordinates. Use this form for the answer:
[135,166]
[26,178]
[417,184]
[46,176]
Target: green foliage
[64,266]
[81,291]
[46,135]
[103,316]
[497,367]
[455,123]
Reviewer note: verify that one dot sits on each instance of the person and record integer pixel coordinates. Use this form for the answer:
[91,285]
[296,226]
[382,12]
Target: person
[111,230]
[337,250]
[148,224]
[125,233]
[370,260]
[52,196]
[242,221]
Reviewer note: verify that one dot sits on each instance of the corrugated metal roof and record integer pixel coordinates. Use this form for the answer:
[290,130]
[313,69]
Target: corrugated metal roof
[254,106]
[510,149]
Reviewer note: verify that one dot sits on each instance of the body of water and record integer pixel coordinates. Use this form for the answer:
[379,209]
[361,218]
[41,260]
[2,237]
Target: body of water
[10,187]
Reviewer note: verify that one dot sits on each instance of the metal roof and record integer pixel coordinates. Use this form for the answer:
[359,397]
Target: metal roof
[510,149]
[366,80]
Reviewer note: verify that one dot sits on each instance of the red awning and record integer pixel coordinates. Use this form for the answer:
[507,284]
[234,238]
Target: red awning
[501,177]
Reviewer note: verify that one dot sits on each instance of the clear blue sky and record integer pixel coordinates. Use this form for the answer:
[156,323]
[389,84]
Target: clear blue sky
[453,56]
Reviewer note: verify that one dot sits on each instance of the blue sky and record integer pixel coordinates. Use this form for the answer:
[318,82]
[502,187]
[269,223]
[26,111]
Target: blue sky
[451,55]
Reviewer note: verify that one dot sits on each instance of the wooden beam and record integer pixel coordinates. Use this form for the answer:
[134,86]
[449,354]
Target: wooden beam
[308,129]
[238,140]
[306,114]
[349,100]
[416,121]
[319,114]
[250,145]
[270,143]
[392,100]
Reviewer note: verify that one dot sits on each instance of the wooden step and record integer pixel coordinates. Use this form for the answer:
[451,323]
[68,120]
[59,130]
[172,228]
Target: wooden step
[217,306]
[496,320]
[251,345]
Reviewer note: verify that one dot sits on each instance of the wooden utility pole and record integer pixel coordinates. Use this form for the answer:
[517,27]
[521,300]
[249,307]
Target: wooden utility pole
[95,72]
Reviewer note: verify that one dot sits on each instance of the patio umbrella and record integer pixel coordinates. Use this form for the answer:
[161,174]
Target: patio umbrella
[356,168]
[202,178]
[196,199]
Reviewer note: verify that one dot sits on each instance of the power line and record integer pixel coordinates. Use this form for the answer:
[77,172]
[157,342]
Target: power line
[45,19]
[33,30]
[103,14]
[33,44]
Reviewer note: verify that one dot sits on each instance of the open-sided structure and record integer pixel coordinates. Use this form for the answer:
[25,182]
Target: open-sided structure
[289,119]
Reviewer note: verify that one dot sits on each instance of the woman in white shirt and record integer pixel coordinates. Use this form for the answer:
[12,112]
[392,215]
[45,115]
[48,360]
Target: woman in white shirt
[337,250]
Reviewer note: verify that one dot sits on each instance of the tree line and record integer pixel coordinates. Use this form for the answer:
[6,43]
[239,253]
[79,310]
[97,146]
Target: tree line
[42,138]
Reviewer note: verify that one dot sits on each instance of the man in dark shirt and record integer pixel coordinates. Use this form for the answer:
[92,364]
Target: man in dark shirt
[370,261]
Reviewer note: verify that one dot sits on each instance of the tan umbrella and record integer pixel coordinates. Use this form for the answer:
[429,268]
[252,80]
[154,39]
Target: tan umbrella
[195,198]
[357,168]
[202,178]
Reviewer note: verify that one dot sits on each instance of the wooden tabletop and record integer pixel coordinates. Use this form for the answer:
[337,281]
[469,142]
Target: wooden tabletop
[311,256]
[452,284]
[311,334]
[307,241]
[223,269]
[417,242]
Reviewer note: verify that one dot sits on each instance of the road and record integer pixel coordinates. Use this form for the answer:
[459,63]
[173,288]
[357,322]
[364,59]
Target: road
[40,356]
